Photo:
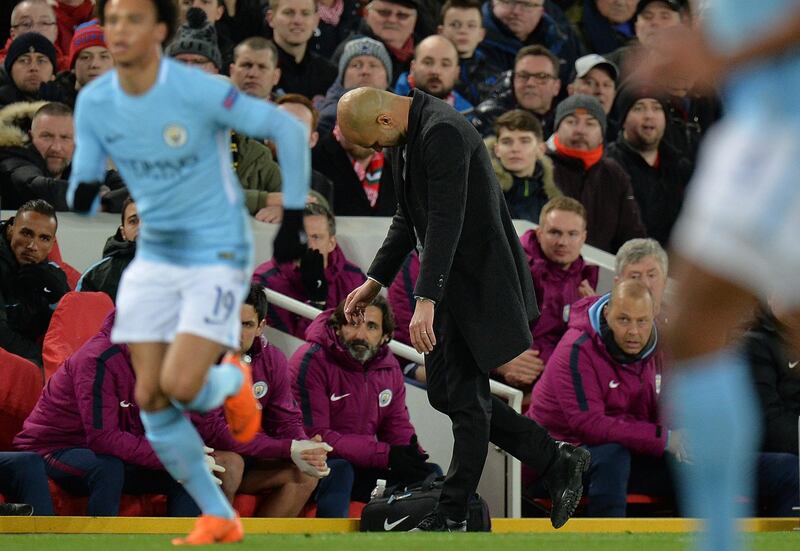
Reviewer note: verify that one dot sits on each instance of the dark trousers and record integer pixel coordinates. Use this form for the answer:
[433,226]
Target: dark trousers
[458,388]
[615,472]
[777,477]
[104,478]
[23,480]
[333,492]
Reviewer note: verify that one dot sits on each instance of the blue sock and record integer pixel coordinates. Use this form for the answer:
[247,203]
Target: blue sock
[178,446]
[713,399]
[222,381]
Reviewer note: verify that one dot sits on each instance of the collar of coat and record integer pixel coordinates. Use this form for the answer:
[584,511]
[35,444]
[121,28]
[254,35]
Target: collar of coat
[506,179]
[14,119]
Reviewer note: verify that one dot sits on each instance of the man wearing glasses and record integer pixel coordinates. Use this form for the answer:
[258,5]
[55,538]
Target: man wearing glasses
[35,16]
[513,24]
[392,23]
[533,86]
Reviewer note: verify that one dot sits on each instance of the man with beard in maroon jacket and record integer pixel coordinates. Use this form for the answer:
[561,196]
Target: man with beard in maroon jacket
[352,393]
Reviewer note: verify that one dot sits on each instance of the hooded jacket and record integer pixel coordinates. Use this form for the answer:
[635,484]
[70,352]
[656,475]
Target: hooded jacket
[342,277]
[525,197]
[89,403]
[104,275]
[359,409]
[586,397]
[556,289]
[281,421]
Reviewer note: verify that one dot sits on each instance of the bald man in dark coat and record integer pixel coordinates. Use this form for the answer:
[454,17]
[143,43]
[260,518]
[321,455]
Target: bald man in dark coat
[474,295]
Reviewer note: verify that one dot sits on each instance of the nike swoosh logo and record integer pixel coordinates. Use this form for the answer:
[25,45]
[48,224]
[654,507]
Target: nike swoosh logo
[124,404]
[391,525]
[613,384]
[335,398]
[46,290]
[792,365]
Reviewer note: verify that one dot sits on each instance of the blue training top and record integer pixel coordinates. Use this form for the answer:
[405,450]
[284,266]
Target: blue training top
[172,147]
[765,89]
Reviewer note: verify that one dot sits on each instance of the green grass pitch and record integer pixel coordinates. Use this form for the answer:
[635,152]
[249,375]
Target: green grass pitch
[776,541]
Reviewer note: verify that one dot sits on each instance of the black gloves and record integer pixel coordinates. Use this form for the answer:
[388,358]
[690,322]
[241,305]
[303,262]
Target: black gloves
[39,287]
[312,273]
[290,243]
[408,462]
[85,195]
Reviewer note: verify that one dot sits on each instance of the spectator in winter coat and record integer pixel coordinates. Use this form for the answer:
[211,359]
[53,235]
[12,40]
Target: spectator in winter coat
[523,171]
[30,286]
[513,24]
[89,57]
[533,85]
[606,25]
[392,23]
[322,278]
[434,70]
[596,76]
[599,390]
[30,65]
[463,25]
[118,252]
[352,393]
[280,461]
[303,71]
[600,184]
[40,169]
[659,174]
[364,62]
[86,426]
[38,16]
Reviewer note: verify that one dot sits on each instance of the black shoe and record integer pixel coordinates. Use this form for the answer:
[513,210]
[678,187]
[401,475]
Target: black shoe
[564,480]
[435,522]
[15,510]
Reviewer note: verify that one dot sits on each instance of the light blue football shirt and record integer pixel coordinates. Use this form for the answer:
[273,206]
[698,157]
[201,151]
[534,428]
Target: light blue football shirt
[764,90]
[172,147]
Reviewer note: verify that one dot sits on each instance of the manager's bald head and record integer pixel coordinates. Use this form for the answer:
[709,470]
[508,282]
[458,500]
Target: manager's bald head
[373,118]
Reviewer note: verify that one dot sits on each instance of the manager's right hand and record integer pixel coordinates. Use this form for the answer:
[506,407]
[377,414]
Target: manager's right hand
[358,300]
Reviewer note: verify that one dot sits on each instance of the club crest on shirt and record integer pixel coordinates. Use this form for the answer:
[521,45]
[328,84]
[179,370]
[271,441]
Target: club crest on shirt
[175,135]
[385,398]
[260,389]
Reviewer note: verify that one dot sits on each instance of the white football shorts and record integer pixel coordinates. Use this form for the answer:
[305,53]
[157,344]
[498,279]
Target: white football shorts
[157,301]
[741,219]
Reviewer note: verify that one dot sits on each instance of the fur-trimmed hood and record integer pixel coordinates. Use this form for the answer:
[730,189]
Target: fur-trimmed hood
[15,119]
[506,179]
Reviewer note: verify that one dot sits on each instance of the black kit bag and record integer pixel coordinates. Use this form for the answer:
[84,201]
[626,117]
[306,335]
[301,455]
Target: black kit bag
[402,508]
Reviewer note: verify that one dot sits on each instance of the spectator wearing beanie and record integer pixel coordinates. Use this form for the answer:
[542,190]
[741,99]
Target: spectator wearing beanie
[30,63]
[357,67]
[88,58]
[196,43]
[581,172]
[70,16]
[35,16]
[658,173]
